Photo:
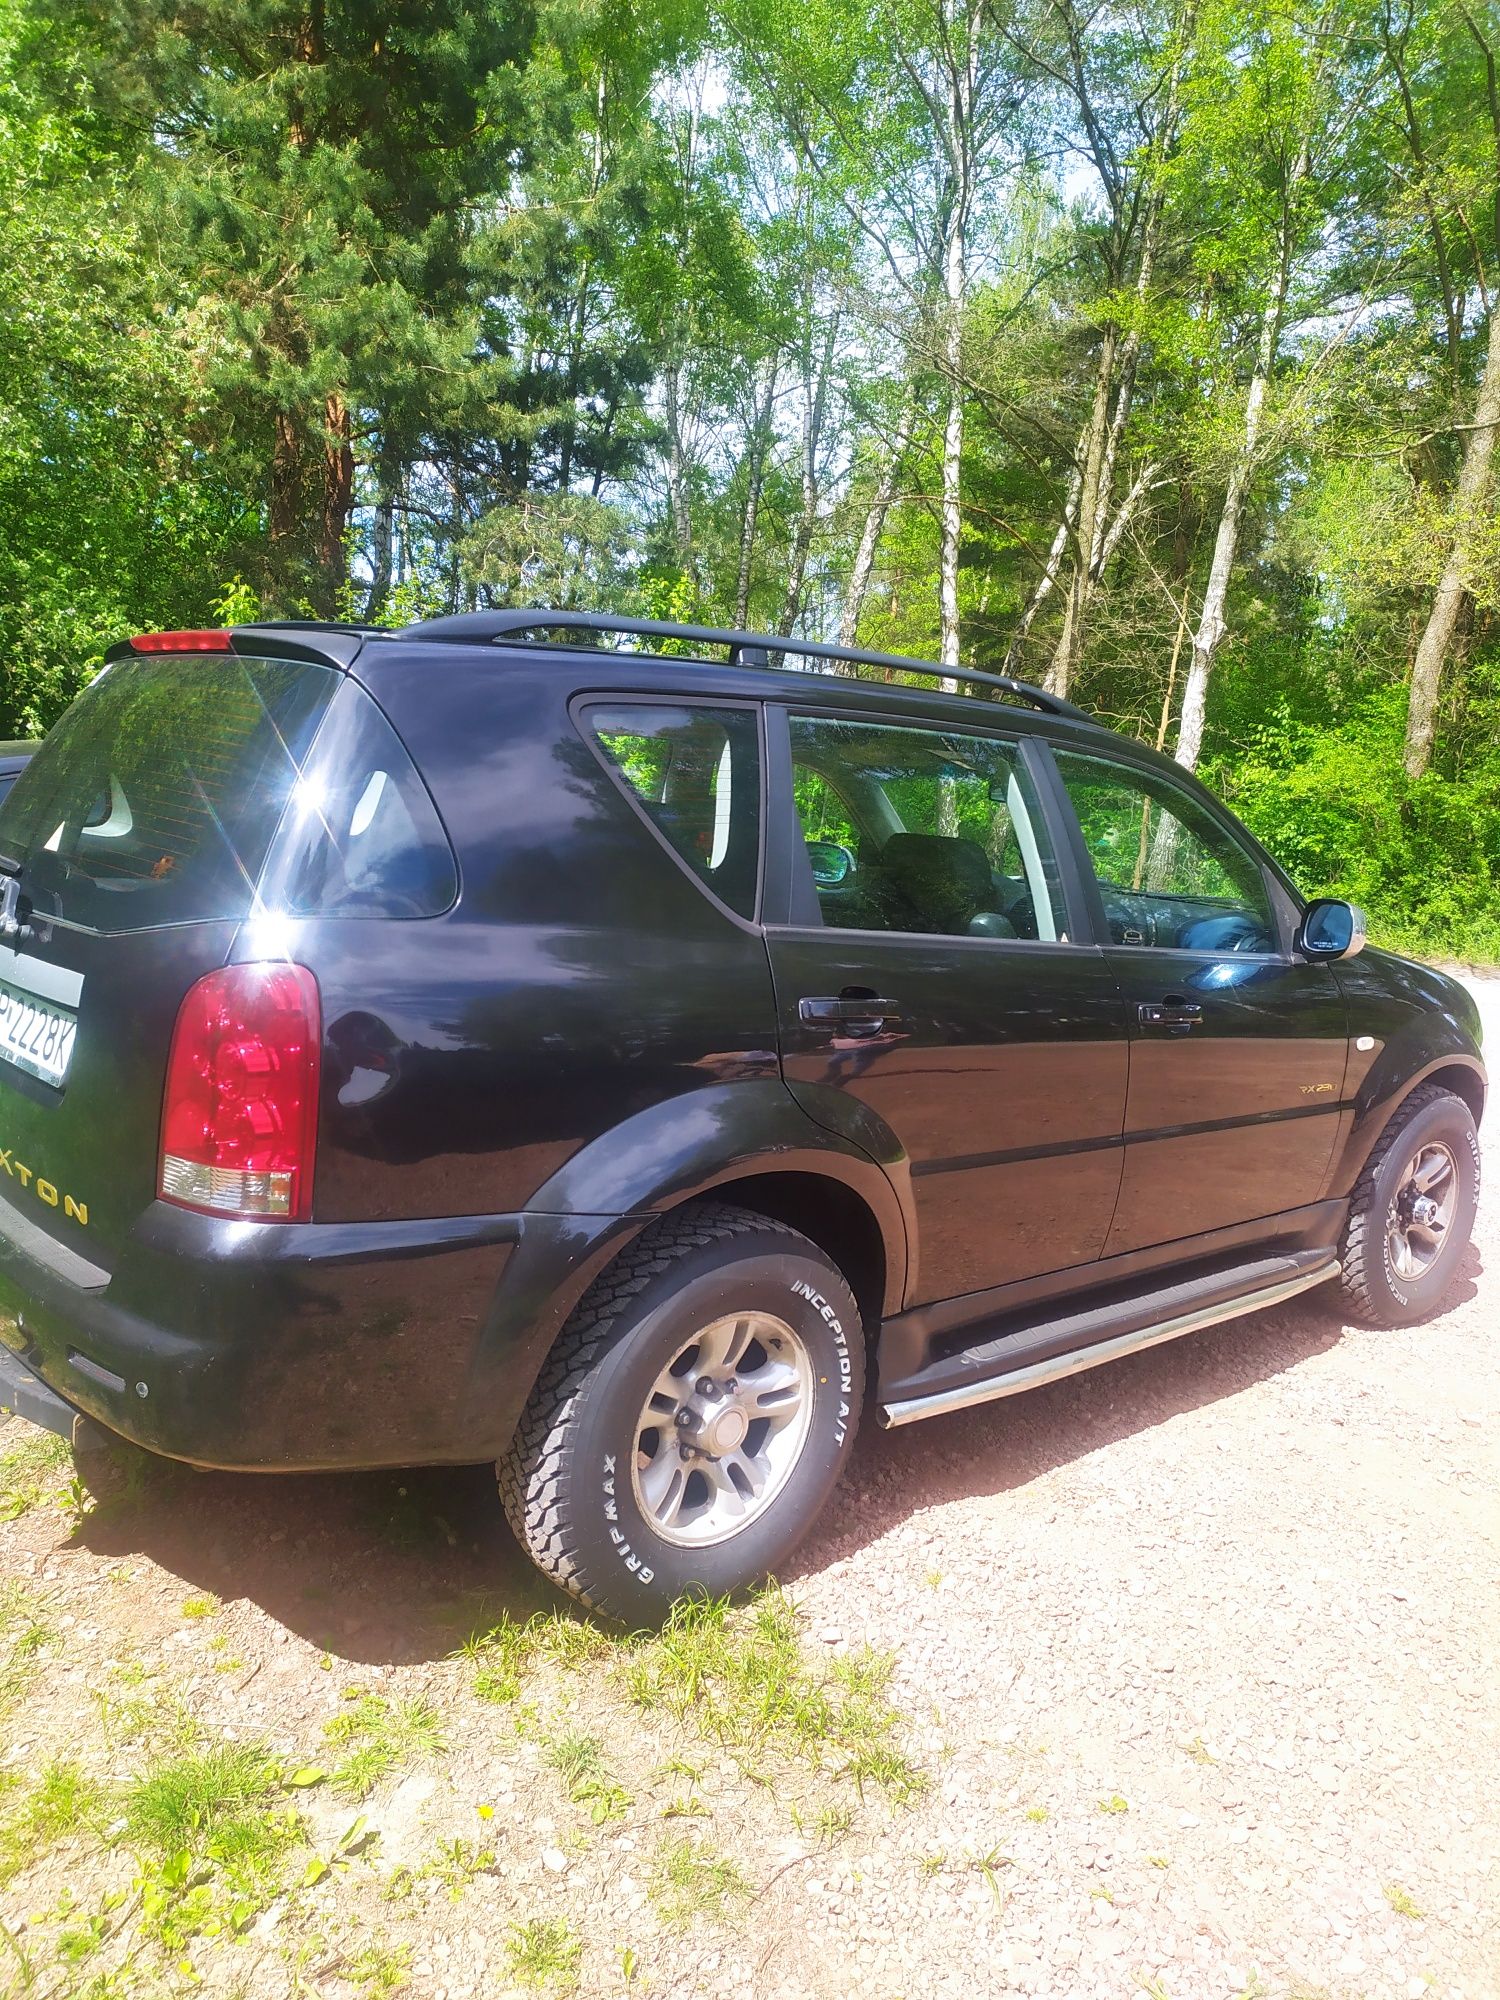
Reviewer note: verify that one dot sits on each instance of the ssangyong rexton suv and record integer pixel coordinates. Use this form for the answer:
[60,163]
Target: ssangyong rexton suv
[496,1039]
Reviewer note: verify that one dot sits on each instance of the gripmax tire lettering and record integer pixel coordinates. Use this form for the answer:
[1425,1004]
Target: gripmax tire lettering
[566,1481]
[1375,1292]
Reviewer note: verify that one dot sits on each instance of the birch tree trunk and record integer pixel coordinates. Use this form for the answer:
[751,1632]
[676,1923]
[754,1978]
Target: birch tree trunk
[1211,627]
[858,586]
[1469,498]
[954,273]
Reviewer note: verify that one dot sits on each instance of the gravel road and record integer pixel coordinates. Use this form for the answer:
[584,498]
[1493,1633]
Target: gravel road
[1246,1586]
[1198,1654]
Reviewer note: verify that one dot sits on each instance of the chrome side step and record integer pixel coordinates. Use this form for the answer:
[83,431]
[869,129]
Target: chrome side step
[1011,1382]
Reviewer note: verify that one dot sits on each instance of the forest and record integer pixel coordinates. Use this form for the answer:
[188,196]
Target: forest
[1143,348]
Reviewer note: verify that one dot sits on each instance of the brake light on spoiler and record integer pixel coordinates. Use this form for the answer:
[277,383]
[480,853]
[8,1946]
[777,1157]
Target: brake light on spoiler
[180,642]
[240,1112]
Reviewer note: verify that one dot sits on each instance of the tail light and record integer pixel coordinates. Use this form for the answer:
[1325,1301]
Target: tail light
[239,1119]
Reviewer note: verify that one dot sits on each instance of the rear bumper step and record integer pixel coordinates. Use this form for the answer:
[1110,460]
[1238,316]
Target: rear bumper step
[1000,1367]
[27,1396]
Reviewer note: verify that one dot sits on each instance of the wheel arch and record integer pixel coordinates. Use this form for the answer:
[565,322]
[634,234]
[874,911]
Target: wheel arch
[749,1145]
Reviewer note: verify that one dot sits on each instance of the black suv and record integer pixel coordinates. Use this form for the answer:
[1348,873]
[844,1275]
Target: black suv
[591,1044]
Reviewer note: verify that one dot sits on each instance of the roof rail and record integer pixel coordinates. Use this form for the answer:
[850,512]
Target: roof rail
[746,649]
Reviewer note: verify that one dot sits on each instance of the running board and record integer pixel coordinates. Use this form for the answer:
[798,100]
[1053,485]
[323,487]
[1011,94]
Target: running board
[1296,1273]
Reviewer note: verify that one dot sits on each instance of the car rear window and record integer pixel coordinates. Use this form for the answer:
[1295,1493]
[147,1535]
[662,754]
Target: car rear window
[155,798]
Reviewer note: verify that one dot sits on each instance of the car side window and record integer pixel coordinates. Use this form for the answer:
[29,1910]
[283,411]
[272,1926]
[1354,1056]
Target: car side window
[1169,875]
[923,830]
[696,773]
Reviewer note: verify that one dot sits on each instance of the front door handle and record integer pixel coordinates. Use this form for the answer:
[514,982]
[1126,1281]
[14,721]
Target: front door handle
[1169,1013]
[866,1013]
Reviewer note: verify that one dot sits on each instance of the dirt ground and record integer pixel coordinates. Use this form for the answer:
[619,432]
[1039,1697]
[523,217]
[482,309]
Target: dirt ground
[1193,1694]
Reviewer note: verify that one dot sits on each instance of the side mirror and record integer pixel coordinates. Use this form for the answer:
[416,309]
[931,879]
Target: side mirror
[1331,929]
[831,863]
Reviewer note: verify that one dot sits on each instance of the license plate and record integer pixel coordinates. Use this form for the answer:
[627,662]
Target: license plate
[35,1035]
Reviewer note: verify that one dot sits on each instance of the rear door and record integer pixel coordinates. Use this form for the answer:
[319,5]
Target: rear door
[130,848]
[1237,1048]
[929,973]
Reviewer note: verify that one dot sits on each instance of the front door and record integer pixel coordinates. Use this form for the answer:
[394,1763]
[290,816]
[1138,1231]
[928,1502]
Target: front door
[1237,1048]
[931,973]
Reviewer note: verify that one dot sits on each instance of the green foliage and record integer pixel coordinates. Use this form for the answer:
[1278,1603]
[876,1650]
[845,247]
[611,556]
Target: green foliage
[383,312]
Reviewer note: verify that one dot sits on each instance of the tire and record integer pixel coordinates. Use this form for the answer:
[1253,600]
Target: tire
[594,1448]
[1385,1284]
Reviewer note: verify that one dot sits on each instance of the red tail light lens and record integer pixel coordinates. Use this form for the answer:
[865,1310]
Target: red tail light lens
[180,642]
[239,1120]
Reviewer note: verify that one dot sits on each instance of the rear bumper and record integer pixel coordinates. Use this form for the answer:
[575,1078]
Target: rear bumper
[262,1346]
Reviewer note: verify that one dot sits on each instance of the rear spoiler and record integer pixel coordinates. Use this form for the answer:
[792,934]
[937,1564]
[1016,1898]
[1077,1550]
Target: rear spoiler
[326,645]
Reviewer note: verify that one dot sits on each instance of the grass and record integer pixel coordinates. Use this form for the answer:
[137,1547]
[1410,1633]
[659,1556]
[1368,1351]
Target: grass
[202,1606]
[1037,1814]
[544,1952]
[501,1654]
[216,1798]
[580,1761]
[379,1736]
[379,1968]
[692,1881]
[63,1804]
[1114,1804]
[29,1471]
[25,1630]
[1401,1902]
[742,1680]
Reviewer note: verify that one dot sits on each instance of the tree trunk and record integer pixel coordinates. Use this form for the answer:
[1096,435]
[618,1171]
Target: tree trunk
[679,501]
[1470,498]
[814,408]
[869,541]
[1211,624]
[1042,589]
[1090,499]
[954,277]
[755,479]
[380,578]
[337,502]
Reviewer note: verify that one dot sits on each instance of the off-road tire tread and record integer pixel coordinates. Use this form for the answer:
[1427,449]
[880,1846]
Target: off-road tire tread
[1364,1233]
[532,1473]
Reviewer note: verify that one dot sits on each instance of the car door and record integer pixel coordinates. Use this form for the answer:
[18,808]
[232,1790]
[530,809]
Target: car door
[929,972]
[1237,1047]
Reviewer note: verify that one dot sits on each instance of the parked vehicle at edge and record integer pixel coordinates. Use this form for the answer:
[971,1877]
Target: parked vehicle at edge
[479,1041]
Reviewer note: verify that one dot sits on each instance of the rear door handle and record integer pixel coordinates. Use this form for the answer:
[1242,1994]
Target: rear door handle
[837,1011]
[1169,1014]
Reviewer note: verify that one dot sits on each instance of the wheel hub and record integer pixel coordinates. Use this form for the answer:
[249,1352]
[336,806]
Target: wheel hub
[1422,1212]
[723,1429]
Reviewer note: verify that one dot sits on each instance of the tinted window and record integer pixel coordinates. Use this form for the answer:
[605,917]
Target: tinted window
[154,799]
[1169,874]
[362,837]
[696,773]
[923,830]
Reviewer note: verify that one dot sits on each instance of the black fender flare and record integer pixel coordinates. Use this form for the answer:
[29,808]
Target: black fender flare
[1407,1061]
[677,1150]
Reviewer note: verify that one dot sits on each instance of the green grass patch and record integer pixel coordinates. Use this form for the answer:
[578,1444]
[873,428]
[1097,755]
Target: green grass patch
[25,1631]
[743,1680]
[218,1796]
[380,1736]
[692,1881]
[501,1654]
[64,1803]
[1401,1902]
[580,1762]
[31,1471]
[545,1952]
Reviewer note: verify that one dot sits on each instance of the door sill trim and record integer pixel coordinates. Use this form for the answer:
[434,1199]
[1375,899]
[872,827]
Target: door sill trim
[1011,1382]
